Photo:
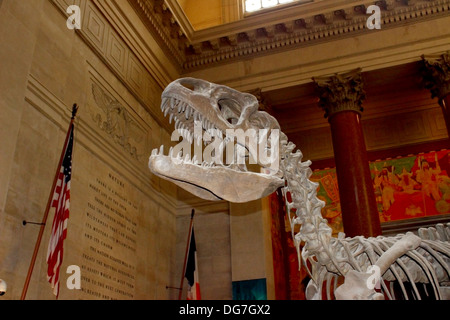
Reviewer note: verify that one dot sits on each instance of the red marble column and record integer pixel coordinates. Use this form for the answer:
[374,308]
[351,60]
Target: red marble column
[341,98]
[436,78]
[445,105]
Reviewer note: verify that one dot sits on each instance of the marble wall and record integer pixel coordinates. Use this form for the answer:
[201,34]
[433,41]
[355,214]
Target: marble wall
[233,244]
[122,226]
[127,229]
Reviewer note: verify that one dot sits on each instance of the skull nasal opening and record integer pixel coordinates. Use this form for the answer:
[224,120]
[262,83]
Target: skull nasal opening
[230,110]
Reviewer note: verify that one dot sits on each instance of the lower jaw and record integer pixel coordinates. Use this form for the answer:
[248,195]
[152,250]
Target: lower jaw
[215,183]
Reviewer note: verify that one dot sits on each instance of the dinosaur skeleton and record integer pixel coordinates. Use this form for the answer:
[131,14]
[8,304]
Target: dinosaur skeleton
[408,260]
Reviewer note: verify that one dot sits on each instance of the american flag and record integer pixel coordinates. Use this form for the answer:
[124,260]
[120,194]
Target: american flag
[61,201]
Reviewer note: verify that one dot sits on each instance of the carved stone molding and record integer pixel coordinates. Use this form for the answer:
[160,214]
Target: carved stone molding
[436,74]
[341,92]
[163,25]
[276,30]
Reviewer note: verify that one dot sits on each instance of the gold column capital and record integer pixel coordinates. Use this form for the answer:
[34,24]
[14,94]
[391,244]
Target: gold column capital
[264,105]
[436,74]
[341,92]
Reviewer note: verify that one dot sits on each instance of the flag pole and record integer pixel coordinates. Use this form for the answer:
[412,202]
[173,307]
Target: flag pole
[47,209]
[186,254]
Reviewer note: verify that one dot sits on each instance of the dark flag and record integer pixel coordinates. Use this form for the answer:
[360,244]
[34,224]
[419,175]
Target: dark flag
[191,273]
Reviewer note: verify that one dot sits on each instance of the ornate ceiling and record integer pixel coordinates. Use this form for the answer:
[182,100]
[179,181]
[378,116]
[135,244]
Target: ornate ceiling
[275,54]
[266,33]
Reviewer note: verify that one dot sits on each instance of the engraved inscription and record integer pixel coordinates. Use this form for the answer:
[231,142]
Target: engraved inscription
[110,233]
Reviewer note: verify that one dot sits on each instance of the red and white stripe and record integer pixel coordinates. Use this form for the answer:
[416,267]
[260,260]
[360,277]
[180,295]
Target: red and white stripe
[194,290]
[61,201]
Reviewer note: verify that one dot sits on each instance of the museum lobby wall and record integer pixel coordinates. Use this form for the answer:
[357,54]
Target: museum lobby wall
[128,229]
[122,229]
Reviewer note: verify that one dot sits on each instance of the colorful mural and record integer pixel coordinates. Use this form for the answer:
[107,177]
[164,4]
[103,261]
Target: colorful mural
[409,187]
[328,192]
[406,188]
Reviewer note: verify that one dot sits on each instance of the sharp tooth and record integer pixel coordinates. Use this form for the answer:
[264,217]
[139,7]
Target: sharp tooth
[187,158]
[154,152]
[207,125]
[188,113]
[171,118]
[166,112]
[171,152]
[173,102]
[194,159]
[164,103]
[161,150]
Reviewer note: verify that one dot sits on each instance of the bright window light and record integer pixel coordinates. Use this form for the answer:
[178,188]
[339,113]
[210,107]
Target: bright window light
[252,5]
[269,3]
[255,5]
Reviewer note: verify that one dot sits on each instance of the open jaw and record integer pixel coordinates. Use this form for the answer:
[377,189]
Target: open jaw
[205,112]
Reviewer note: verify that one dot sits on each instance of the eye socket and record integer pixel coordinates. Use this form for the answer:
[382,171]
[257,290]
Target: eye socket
[230,110]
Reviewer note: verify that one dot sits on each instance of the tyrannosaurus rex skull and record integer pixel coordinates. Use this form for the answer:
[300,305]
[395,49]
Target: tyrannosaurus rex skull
[225,120]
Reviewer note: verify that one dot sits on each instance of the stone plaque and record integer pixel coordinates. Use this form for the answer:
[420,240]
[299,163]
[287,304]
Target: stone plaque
[108,263]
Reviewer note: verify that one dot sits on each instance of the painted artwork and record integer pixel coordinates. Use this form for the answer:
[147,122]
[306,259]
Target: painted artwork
[328,192]
[250,290]
[406,188]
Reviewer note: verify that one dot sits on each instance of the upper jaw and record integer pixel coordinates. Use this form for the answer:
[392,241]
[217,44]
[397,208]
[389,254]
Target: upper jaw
[190,100]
